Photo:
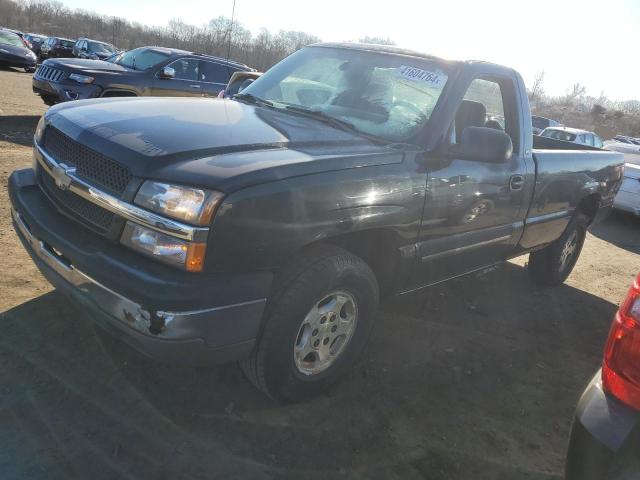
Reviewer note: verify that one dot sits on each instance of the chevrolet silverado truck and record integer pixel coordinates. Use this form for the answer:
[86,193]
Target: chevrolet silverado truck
[264,228]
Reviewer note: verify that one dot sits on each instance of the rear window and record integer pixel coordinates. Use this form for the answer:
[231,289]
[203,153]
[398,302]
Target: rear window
[559,135]
[67,43]
[96,47]
[215,72]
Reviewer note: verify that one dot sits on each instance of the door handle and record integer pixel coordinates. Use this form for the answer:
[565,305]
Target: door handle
[194,86]
[516,182]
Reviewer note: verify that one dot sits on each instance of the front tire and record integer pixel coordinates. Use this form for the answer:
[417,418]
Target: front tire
[553,264]
[49,101]
[320,316]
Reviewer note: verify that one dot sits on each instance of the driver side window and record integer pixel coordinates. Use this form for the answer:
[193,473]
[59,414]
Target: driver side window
[483,105]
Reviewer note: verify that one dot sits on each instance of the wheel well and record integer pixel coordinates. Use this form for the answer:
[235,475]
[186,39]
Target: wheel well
[118,93]
[589,206]
[378,249]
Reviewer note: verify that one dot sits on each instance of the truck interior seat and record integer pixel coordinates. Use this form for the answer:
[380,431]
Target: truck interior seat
[470,114]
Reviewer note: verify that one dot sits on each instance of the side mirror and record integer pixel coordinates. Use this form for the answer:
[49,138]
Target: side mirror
[167,72]
[484,144]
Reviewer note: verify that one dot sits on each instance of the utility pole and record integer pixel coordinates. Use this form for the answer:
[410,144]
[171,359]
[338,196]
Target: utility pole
[233,13]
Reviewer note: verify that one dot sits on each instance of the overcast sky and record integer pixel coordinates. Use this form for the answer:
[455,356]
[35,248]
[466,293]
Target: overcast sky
[588,41]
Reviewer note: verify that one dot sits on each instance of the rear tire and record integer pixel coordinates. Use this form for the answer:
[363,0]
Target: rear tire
[314,300]
[553,264]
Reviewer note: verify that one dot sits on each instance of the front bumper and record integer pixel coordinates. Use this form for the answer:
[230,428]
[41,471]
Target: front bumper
[64,91]
[150,308]
[604,436]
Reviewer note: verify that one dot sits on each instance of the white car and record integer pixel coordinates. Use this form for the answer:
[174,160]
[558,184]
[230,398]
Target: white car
[573,135]
[628,198]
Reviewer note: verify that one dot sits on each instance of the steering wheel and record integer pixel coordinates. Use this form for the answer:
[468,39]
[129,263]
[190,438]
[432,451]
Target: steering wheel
[410,106]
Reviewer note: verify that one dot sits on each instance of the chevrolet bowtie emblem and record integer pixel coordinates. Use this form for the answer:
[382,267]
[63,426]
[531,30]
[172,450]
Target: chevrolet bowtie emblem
[60,174]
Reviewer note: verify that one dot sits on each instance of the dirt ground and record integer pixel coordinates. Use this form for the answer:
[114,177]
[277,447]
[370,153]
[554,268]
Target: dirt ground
[477,378]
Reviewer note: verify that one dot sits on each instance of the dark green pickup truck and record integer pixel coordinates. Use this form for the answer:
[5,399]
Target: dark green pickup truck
[264,228]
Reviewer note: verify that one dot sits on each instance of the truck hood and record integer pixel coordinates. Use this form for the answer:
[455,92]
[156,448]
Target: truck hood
[87,66]
[222,144]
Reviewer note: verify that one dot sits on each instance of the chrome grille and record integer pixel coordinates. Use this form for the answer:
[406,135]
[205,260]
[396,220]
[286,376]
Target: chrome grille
[79,209]
[92,166]
[51,74]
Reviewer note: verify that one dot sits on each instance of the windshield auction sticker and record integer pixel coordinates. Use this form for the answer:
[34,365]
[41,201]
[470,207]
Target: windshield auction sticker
[435,79]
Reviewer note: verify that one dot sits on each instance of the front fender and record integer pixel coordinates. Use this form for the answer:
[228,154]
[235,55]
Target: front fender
[261,227]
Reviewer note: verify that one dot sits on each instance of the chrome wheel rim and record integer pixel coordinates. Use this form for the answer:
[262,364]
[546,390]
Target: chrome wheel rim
[325,332]
[568,249]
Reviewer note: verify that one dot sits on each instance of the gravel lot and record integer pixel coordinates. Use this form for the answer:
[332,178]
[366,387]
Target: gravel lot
[477,378]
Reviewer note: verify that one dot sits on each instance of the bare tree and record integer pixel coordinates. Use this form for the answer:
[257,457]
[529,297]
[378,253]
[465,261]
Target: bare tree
[51,17]
[377,40]
[575,92]
[536,93]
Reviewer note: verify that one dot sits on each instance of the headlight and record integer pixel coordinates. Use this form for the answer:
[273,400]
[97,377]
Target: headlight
[81,78]
[40,130]
[190,205]
[164,248]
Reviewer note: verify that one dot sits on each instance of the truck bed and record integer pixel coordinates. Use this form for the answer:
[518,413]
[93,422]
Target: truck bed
[566,175]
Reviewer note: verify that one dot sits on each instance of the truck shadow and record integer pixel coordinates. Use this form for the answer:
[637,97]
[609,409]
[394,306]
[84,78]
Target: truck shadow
[620,228]
[477,378]
[18,129]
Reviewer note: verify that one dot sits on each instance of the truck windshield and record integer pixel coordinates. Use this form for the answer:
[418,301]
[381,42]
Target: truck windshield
[383,95]
[141,58]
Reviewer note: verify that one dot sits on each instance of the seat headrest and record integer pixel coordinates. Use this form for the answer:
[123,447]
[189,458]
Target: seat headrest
[470,114]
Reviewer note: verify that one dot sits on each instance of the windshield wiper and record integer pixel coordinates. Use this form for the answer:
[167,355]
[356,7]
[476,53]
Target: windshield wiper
[250,98]
[331,120]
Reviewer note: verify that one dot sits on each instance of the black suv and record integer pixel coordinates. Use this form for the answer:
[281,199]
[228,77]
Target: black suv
[93,49]
[55,47]
[145,71]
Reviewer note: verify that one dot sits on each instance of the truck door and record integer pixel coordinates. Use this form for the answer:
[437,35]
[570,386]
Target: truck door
[184,83]
[474,210]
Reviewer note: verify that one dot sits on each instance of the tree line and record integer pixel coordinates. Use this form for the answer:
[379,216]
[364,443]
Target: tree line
[578,109]
[218,37]
[222,37]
